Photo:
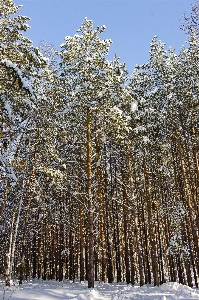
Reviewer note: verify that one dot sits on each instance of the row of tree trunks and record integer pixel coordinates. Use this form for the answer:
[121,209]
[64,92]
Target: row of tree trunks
[118,231]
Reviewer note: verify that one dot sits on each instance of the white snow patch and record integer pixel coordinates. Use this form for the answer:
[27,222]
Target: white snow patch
[9,109]
[134,106]
[67,290]
[2,46]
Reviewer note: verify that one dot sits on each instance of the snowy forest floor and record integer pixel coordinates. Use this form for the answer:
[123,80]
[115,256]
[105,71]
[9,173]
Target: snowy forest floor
[52,290]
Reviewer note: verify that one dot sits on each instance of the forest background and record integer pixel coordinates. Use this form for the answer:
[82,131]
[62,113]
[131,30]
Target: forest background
[99,168]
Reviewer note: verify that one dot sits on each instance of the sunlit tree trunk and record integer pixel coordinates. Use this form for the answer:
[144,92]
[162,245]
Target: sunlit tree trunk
[90,206]
[81,235]
[151,226]
[102,241]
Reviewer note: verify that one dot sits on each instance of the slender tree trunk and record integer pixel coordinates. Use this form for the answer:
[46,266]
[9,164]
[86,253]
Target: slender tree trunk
[107,218]
[125,220]
[90,206]
[101,215]
[151,225]
[3,202]
[9,255]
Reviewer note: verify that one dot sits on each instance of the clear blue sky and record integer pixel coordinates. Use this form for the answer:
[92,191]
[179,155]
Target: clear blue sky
[131,24]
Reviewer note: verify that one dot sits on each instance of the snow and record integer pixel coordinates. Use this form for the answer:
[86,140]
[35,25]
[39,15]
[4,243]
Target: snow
[9,109]
[24,82]
[134,106]
[139,128]
[6,164]
[85,84]
[146,139]
[2,46]
[52,290]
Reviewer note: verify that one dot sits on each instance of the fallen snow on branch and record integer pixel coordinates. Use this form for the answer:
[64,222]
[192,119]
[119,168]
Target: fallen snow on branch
[24,81]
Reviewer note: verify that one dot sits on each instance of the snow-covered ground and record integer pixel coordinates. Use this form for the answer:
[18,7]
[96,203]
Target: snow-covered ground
[52,290]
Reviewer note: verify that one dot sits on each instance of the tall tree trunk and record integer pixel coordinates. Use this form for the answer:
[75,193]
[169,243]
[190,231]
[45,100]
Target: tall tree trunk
[101,215]
[151,225]
[90,206]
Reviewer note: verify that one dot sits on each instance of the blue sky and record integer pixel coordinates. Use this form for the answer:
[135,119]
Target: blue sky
[131,24]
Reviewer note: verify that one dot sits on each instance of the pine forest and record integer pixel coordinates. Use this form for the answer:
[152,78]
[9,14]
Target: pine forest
[99,168]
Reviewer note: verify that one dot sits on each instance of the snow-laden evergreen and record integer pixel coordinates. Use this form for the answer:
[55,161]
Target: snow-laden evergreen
[99,169]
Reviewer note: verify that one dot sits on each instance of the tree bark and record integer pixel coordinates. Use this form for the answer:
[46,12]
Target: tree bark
[90,207]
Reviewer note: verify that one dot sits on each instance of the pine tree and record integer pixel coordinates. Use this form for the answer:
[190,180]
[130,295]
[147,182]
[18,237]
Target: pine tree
[25,78]
[94,99]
